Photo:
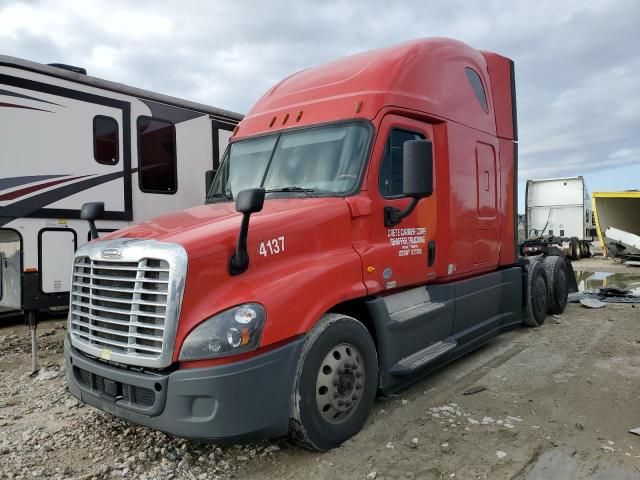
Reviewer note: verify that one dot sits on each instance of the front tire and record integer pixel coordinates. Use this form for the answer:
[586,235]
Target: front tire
[335,384]
[536,298]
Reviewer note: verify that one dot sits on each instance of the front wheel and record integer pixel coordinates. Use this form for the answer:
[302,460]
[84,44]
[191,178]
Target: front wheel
[335,385]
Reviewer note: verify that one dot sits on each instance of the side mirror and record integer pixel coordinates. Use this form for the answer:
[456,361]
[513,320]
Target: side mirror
[209,175]
[417,178]
[417,168]
[247,202]
[250,200]
[90,212]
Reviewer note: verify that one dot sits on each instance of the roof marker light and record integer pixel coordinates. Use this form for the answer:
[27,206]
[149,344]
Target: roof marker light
[273,120]
[358,106]
[299,116]
[284,120]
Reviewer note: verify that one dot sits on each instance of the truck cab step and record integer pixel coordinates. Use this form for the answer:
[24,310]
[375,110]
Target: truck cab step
[414,362]
[415,311]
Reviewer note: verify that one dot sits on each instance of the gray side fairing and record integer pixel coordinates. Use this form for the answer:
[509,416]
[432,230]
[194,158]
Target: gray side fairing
[462,315]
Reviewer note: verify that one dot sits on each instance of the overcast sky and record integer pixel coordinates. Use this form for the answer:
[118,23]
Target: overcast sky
[577,63]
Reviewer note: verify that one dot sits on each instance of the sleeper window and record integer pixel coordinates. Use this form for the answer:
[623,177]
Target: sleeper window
[390,180]
[105,140]
[157,156]
[478,89]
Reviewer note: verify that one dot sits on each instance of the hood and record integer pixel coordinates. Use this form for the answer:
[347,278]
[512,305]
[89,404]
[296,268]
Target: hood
[207,229]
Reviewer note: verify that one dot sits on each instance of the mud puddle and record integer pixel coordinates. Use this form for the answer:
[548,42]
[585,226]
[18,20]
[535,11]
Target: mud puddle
[592,281]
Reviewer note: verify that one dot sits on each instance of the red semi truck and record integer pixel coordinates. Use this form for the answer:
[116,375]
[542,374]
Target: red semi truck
[359,233]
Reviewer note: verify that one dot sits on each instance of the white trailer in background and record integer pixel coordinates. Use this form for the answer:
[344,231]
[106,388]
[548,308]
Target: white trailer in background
[66,139]
[561,208]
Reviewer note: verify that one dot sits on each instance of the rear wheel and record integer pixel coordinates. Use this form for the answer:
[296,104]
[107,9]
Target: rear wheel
[535,308]
[335,385]
[574,252]
[557,291]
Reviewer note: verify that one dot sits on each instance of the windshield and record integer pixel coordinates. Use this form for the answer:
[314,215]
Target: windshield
[323,160]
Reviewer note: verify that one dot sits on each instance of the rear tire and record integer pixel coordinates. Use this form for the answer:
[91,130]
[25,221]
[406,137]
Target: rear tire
[574,252]
[335,385]
[557,291]
[537,300]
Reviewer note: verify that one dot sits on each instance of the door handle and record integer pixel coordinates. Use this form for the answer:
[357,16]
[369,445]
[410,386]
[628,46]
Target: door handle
[431,256]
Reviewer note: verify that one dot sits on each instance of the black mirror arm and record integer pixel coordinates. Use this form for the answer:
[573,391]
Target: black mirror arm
[393,215]
[248,201]
[89,212]
[93,229]
[239,262]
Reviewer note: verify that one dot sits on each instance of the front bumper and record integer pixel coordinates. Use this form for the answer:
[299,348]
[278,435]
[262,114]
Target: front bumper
[241,401]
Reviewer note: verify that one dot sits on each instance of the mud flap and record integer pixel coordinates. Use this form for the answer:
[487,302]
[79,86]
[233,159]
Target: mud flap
[572,283]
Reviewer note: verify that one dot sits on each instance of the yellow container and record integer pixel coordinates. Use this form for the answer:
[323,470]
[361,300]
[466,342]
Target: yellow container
[620,210]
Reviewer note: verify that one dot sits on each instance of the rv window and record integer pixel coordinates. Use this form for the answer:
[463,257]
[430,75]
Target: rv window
[157,156]
[478,89]
[390,180]
[105,140]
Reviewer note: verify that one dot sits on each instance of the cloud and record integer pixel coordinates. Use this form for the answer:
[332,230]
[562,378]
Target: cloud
[577,63]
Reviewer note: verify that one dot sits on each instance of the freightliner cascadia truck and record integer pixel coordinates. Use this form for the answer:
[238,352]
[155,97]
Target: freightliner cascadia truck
[359,233]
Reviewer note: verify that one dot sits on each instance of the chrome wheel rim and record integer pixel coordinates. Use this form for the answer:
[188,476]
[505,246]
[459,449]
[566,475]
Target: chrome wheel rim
[340,383]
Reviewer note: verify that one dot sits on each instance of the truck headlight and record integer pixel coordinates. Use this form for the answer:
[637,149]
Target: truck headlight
[231,332]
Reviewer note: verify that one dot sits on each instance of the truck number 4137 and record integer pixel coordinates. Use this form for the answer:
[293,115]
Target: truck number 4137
[272,247]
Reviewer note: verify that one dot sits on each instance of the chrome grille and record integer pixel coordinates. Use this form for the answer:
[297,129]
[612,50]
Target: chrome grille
[126,309]
[120,305]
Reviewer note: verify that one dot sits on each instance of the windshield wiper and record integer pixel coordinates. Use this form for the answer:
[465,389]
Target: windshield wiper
[290,189]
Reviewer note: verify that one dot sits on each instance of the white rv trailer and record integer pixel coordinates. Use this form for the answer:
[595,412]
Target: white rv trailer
[561,207]
[67,138]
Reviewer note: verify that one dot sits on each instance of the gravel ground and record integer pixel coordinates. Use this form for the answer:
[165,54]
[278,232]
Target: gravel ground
[553,403]
[46,433]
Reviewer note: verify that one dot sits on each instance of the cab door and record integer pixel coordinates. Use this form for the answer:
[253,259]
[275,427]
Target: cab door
[398,255]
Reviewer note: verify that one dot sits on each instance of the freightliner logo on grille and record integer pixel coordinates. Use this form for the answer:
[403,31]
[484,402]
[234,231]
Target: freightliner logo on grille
[111,253]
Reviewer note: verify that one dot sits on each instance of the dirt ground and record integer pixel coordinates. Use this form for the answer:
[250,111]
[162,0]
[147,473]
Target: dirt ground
[601,264]
[558,402]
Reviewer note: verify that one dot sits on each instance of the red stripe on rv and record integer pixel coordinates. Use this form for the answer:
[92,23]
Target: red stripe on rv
[13,105]
[34,188]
